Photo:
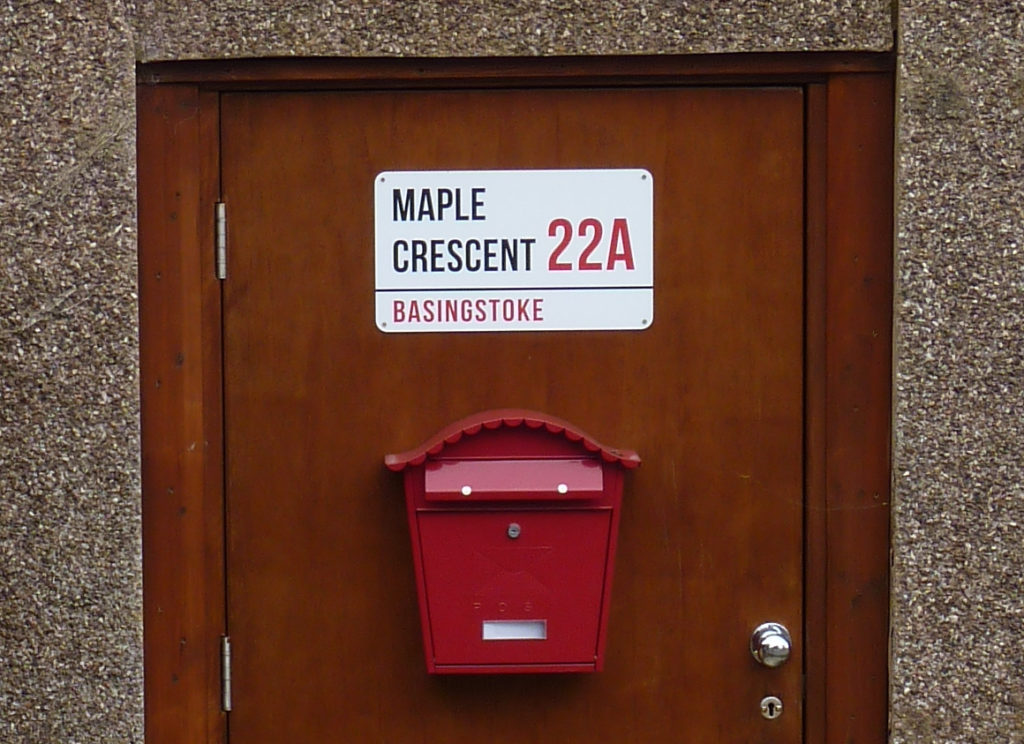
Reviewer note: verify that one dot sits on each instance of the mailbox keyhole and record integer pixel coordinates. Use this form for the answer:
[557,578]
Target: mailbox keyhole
[514,530]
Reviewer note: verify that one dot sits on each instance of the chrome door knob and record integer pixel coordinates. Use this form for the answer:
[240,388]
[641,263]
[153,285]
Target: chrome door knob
[770,644]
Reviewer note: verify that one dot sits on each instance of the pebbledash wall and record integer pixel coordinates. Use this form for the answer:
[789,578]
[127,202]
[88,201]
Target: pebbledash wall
[70,594]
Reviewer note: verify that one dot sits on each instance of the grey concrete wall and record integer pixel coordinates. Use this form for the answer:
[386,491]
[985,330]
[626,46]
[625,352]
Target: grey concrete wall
[437,28]
[958,589]
[70,608]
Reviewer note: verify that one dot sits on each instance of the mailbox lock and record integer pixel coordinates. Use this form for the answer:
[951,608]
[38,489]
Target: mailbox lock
[514,530]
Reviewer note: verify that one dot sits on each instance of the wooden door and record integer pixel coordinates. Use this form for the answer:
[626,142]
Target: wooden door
[321,601]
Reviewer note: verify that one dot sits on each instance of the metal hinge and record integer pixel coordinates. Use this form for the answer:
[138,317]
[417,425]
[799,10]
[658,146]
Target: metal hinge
[225,673]
[221,231]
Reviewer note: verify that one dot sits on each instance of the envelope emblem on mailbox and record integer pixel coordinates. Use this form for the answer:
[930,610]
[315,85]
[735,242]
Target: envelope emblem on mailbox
[513,517]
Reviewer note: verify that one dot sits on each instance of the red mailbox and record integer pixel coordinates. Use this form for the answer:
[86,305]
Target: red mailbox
[514,516]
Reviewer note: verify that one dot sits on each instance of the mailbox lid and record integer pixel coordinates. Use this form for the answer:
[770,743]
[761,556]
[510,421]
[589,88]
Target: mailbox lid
[513,480]
[505,432]
[549,581]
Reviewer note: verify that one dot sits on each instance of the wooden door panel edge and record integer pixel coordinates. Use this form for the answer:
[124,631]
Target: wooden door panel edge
[858,390]
[180,374]
[849,274]
[815,405]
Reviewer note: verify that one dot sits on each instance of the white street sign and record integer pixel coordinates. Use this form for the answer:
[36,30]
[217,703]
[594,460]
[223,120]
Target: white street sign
[528,250]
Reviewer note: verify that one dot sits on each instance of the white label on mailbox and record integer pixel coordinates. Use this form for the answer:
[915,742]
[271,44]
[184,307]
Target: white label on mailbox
[515,630]
[526,250]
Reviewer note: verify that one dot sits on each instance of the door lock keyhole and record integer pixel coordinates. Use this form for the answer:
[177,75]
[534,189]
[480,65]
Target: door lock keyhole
[771,707]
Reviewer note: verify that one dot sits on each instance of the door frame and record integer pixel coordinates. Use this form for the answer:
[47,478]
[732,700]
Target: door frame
[849,108]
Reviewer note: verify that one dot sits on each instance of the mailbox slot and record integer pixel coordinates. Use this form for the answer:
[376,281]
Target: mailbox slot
[513,517]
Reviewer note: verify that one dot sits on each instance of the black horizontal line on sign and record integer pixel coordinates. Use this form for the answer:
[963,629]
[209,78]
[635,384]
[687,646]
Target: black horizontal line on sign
[514,289]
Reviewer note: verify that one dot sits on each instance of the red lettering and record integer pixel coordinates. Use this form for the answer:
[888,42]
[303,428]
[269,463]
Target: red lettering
[566,227]
[620,236]
[585,263]
[481,310]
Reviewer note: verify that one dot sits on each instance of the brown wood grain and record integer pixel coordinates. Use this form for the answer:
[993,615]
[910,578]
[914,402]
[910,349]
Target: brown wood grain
[859,321]
[796,67]
[322,608]
[213,579]
[815,415]
[181,464]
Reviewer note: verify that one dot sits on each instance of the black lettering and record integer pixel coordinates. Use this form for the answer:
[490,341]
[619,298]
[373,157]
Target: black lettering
[509,254]
[490,254]
[403,204]
[459,216]
[478,203]
[444,201]
[528,245]
[419,255]
[426,206]
[436,254]
[454,254]
[472,246]
[455,262]
[400,262]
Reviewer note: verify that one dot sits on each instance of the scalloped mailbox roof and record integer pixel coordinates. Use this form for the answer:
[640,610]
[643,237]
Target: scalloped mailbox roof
[506,418]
